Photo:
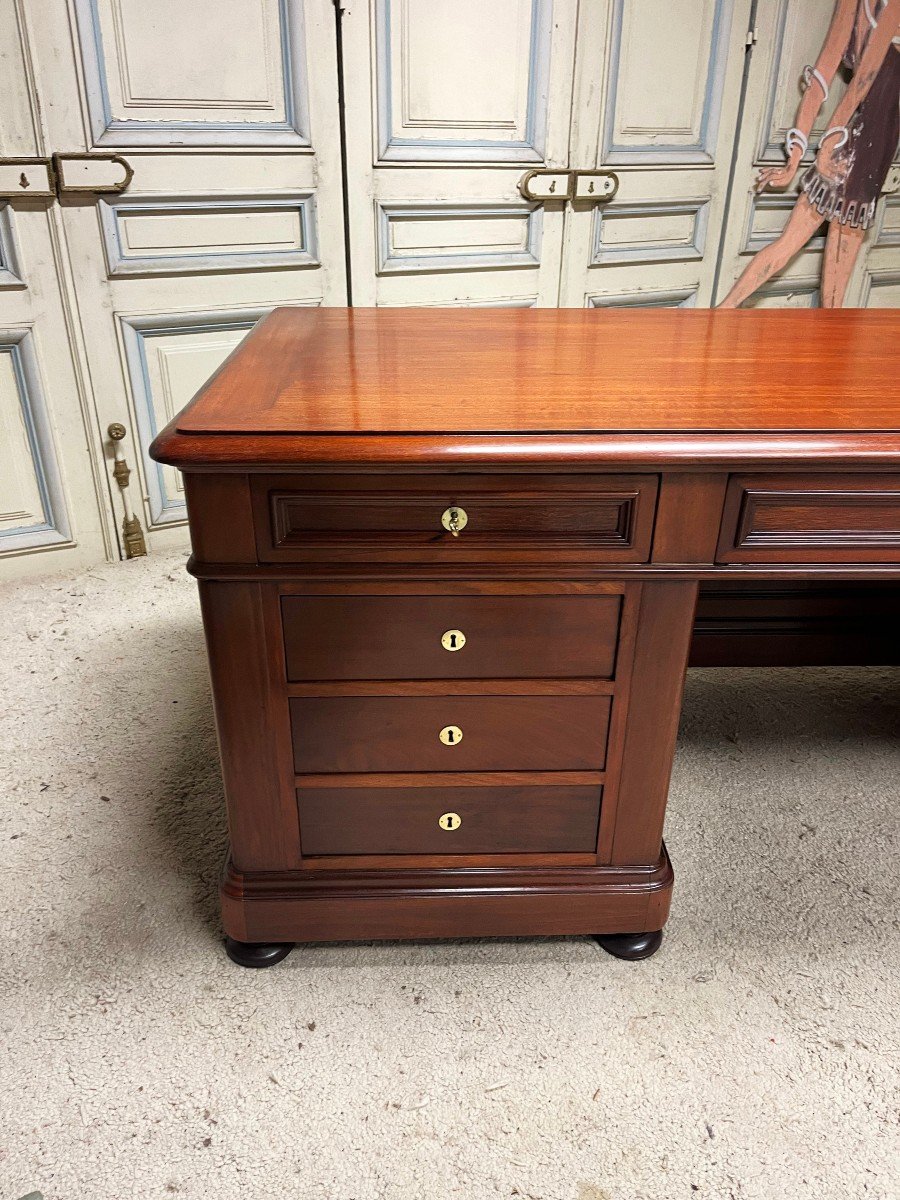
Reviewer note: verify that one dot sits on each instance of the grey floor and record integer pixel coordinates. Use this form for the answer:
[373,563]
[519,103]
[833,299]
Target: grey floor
[756,1056]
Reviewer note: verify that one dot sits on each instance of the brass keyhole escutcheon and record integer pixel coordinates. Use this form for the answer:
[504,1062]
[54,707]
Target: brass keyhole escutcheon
[451,735]
[450,821]
[454,520]
[453,639]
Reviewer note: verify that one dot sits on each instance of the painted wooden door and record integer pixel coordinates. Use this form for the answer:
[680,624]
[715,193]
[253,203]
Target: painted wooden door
[227,114]
[657,96]
[448,104]
[51,495]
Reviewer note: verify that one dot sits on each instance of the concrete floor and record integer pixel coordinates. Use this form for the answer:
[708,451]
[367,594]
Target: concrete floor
[755,1057]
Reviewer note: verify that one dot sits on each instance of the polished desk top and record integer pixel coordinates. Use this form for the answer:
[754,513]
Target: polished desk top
[460,384]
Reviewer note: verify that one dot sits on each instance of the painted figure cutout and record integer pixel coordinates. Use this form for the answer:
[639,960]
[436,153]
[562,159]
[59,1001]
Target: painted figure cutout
[855,151]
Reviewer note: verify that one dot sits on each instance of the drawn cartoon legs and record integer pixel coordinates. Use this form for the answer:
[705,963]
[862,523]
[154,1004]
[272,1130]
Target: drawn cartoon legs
[802,224]
[841,252]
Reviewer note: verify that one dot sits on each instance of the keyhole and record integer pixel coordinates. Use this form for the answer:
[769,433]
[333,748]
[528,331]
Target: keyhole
[451,736]
[23,180]
[453,639]
[591,188]
[448,822]
[552,188]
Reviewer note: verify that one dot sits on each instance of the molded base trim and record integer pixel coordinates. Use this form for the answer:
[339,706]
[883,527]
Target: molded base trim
[324,906]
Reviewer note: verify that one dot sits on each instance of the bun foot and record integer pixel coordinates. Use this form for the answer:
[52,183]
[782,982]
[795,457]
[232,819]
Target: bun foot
[630,946]
[257,954]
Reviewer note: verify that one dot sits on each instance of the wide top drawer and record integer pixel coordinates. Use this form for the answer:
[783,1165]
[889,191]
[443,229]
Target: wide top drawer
[811,519]
[454,518]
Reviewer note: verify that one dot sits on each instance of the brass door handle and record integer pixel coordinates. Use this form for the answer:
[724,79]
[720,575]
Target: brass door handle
[595,186]
[64,174]
[91,173]
[590,186]
[547,185]
[29,177]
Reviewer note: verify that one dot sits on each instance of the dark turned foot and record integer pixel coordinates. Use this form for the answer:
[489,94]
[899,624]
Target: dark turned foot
[257,954]
[631,946]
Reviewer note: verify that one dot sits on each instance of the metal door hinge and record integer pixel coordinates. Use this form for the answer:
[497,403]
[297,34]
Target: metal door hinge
[132,534]
[752,37]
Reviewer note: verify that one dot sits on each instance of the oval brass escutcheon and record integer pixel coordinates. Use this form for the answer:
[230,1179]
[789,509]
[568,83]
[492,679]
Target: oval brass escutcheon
[451,735]
[453,639]
[454,520]
[450,821]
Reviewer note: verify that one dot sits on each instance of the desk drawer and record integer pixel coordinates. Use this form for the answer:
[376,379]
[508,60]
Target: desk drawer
[449,820]
[405,518]
[499,733]
[450,637]
[811,518]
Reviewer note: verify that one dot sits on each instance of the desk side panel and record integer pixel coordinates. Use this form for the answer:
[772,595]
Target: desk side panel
[665,626]
[247,673]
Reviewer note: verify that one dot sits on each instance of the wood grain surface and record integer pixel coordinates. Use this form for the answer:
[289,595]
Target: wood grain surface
[426,370]
[492,820]
[399,637]
[500,733]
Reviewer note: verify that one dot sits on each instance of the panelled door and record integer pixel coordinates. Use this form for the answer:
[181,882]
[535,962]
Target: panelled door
[222,119]
[448,104]
[451,102]
[52,496]
[657,94]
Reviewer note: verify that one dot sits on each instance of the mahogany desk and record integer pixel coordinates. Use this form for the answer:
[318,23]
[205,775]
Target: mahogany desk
[448,564]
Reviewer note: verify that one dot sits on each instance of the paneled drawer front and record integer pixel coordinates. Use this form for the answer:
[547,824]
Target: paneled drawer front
[450,637]
[512,518]
[499,733]
[448,820]
[811,518]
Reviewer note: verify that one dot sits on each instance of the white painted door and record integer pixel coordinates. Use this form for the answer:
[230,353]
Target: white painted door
[227,113]
[657,95]
[448,104]
[51,495]
[789,34]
